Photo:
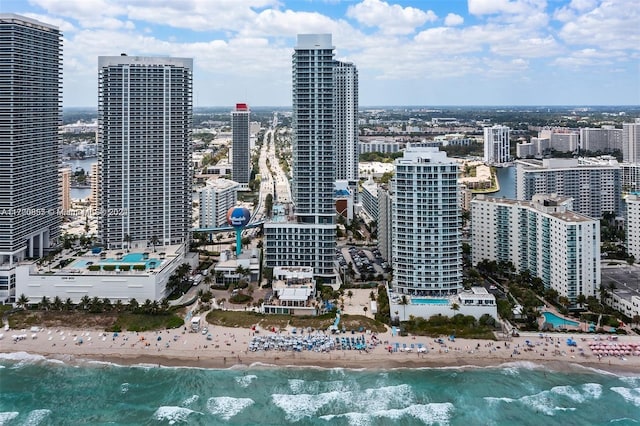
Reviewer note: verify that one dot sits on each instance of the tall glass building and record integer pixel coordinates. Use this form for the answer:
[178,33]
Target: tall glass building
[144,131]
[427,247]
[30,116]
[345,78]
[241,171]
[308,237]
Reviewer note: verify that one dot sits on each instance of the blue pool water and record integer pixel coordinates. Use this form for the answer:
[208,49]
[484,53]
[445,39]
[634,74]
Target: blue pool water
[428,301]
[127,259]
[558,322]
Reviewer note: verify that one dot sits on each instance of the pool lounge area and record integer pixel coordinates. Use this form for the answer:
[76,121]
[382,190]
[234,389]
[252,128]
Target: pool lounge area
[129,260]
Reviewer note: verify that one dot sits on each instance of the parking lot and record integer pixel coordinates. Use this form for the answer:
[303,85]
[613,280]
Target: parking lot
[622,276]
[365,261]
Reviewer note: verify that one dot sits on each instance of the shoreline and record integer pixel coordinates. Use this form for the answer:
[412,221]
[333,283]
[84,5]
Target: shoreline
[229,349]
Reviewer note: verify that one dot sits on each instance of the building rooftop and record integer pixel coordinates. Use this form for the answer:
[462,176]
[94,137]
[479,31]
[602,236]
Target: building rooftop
[109,262]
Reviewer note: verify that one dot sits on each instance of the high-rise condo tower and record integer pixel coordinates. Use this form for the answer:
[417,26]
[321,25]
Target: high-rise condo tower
[144,130]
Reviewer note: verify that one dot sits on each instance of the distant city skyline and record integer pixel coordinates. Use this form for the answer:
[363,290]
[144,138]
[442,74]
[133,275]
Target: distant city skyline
[409,52]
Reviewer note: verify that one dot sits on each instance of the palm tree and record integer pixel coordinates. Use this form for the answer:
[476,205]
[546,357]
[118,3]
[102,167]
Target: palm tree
[564,301]
[22,301]
[45,303]
[118,306]
[349,295]
[365,311]
[68,304]
[127,239]
[133,305]
[219,238]
[106,303]
[164,305]
[404,301]
[84,302]
[581,300]
[57,303]
[455,307]
[154,242]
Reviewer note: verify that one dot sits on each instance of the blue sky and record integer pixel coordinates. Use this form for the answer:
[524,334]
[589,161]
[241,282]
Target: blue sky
[408,52]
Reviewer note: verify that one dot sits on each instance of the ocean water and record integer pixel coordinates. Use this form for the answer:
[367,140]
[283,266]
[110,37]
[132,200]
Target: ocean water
[37,391]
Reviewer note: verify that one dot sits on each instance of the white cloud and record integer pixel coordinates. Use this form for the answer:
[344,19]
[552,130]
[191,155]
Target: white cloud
[390,19]
[611,25]
[62,24]
[511,7]
[453,20]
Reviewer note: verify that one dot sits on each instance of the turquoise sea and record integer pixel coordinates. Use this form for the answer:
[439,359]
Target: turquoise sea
[37,391]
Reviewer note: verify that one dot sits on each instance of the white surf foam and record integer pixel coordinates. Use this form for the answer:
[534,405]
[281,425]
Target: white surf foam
[631,395]
[313,386]
[124,388]
[301,405]
[428,414]
[7,416]
[173,414]
[227,407]
[36,417]
[187,402]
[245,381]
[21,357]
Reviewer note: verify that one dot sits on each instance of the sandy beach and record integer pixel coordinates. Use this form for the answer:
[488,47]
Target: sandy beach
[229,347]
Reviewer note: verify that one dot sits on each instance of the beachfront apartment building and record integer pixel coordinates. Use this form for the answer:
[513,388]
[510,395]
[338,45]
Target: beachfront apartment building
[496,144]
[215,200]
[594,184]
[144,134]
[240,145]
[31,105]
[631,142]
[323,102]
[426,247]
[543,236]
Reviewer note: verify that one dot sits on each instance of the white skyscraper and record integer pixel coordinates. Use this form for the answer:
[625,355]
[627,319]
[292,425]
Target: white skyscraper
[144,119]
[631,142]
[30,101]
[345,79]
[496,144]
[542,236]
[427,248]
[241,158]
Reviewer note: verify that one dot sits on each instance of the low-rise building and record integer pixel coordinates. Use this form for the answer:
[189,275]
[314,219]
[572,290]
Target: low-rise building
[475,302]
[113,275]
[294,292]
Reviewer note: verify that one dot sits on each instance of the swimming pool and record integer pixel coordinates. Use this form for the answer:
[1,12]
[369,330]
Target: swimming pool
[558,322]
[428,301]
[128,259]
